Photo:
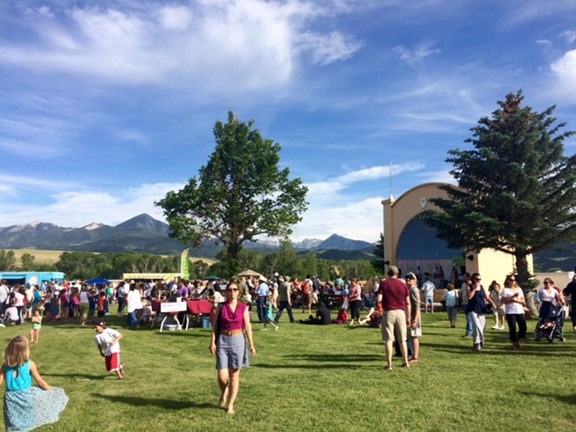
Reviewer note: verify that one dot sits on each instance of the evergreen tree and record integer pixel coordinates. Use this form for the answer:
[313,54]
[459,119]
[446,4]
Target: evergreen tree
[378,262]
[516,189]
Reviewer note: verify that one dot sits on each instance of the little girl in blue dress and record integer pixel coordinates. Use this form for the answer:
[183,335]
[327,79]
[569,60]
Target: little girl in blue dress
[27,407]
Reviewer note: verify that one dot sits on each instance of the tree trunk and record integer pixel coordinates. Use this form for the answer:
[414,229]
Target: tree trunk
[233,264]
[524,277]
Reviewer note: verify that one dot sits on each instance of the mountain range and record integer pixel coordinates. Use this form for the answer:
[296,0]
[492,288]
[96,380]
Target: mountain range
[145,234]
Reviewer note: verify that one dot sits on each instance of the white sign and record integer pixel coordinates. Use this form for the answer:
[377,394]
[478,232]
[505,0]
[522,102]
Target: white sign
[167,307]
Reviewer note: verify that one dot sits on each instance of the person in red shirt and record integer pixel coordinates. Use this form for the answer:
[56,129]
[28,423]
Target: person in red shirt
[395,298]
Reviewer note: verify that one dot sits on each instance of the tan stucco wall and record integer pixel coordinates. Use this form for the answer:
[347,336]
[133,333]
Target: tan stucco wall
[561,279]
[494,265]
[491,264]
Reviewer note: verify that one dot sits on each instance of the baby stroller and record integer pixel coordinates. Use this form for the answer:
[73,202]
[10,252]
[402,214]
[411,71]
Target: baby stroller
[550,323]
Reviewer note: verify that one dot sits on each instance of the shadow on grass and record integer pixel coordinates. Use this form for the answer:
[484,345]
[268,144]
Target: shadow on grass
[500,350]
[567,399]
[184,333]
[335,357]
[160,403]
[76,375]
[357,327]
[326,361]
[323,366]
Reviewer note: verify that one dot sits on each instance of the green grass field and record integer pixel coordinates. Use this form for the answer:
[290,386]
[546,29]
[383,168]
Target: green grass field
[41,256]
[308,378]
[51,257]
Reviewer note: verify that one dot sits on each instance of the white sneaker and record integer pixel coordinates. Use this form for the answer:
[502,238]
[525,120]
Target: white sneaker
[276,328]
[501,327]
[495,327]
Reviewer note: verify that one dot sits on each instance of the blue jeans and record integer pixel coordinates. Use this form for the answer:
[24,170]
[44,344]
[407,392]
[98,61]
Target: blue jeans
[469,325]
[284,305]
[260,305]
[132,319]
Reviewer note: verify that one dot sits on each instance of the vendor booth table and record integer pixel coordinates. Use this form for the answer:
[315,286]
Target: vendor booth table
[194,308]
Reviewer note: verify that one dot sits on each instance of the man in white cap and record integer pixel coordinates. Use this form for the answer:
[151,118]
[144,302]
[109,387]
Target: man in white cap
[262,291]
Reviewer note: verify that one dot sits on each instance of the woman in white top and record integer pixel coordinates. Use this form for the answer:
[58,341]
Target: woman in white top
[550,300]
[134,305]
[514,301]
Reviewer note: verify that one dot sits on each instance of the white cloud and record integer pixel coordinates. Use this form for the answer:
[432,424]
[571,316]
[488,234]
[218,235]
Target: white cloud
[359,220]
[569,36]
[332,210]
[34,136]
[416,55]
[564,70]
[42,10]
[210,45]
[440,176]
[75,206]
[177,18]
[326,49]
[324,191]
[26,182]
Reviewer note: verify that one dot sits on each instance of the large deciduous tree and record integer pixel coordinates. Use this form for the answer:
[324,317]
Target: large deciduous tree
[240,194]
[516,189]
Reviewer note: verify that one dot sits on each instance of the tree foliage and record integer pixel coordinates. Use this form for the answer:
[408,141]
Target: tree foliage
[516,189]
[378,262]
[27,261]
[7,260]
[239,194]
[87,265]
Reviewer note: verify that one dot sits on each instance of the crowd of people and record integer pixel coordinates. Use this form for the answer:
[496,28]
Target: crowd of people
[395,304]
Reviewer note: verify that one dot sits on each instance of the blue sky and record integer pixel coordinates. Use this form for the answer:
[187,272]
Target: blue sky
[107,105]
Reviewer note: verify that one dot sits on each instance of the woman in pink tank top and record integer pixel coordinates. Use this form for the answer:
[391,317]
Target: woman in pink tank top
[231,331]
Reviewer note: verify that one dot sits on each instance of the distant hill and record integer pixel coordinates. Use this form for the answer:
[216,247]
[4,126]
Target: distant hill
[144,222]
[563,257]
[143,233]
[341,243]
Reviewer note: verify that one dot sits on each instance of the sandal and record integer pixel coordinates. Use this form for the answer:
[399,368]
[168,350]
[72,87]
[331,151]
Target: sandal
[414,360]
[406,365]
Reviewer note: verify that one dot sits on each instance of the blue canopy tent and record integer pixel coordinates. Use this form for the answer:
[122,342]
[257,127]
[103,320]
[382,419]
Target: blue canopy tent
[97,281]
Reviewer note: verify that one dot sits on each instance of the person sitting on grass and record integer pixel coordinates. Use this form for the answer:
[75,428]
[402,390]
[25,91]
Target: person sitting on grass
[322,316]
[11,316]
[367,319]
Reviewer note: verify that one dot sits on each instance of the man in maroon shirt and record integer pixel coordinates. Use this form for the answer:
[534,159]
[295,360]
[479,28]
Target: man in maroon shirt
[395,298]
